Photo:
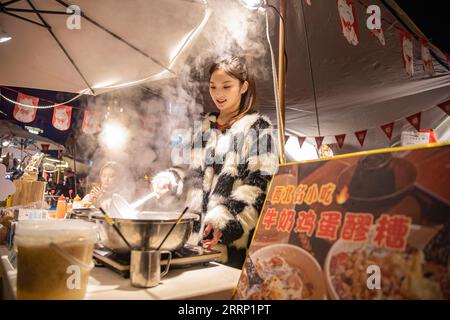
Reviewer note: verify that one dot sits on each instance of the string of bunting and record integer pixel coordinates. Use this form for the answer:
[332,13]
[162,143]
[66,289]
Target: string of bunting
[388,129]
[26,107]
[350,30]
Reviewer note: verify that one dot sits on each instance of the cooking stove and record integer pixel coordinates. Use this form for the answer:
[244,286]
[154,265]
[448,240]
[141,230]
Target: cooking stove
[187,256]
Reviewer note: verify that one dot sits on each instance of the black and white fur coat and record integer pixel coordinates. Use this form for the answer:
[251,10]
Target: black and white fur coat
[228,175]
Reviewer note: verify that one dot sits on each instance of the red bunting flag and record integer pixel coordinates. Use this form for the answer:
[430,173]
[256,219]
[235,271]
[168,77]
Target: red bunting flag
[349,21]
[361,136]
[301,140]
[445,106]
[378,33]
[61,117]
[414,120]
[25,114]
[44,147]
[407,52]
[319,141]
[286,138]
[340,140]
[388,129]
[91,123]
[426,57]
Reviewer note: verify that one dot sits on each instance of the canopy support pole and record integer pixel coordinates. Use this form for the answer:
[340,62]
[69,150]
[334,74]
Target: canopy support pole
[281,110]
[61,46]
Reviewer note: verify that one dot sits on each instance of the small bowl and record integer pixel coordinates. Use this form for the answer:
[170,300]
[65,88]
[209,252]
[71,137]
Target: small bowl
[301,259]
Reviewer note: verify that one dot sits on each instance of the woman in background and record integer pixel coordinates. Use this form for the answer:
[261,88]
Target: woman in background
[111,181]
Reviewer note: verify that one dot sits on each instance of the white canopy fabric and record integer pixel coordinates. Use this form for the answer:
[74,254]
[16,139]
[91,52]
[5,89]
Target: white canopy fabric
[357,87]
[155,34]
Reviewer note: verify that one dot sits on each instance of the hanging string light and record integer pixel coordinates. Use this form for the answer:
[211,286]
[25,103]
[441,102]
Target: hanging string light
[43,107]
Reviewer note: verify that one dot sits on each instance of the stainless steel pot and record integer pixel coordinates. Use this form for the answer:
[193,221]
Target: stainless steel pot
[147,231]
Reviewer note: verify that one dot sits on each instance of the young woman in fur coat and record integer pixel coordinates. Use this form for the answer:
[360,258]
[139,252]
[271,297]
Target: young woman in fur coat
[233,158]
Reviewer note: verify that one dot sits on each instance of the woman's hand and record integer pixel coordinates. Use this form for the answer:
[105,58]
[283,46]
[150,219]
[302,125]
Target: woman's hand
[95,193]
[163,182]
[217,234]
[161,185]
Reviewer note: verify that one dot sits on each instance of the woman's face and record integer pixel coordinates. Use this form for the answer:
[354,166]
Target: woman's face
[108,178]
[226,91]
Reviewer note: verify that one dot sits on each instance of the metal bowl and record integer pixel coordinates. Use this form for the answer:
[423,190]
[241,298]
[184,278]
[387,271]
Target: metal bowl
[147,231]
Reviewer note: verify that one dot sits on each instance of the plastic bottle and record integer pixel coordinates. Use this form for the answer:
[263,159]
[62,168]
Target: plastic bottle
[61,207]
[69,206]
[8,201]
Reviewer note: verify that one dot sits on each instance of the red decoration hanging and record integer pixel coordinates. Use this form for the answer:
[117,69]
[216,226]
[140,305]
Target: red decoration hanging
[426,57]
[319,141]
[45,147]
[378,33]
[61,117]
[349,21]
[361,136]
[407,52]
[445,106]
[301,140]
[388,129]
[25,114]
[340,138]
[91,123]
[414,120]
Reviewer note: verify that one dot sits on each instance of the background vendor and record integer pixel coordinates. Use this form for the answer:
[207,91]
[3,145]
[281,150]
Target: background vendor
[112,180]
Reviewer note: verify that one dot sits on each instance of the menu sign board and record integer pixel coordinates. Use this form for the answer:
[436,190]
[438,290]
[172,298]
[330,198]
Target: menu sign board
[372,225]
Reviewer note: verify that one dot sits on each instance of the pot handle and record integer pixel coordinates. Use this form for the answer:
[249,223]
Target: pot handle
[166,270]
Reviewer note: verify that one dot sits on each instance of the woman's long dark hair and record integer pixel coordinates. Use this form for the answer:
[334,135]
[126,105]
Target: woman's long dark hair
[235,67]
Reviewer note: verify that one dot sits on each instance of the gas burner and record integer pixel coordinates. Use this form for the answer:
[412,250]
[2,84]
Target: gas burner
[187,256]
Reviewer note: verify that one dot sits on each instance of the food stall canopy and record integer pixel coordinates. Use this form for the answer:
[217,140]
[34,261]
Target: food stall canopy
[118,43]
[9,130]
[357,87]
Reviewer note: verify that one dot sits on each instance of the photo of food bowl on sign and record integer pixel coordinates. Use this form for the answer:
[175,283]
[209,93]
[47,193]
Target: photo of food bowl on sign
[366,226]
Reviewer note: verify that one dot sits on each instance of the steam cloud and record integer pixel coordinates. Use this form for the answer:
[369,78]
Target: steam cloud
[158,115]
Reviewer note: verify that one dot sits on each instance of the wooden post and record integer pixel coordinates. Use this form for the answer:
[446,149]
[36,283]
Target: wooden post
[281,83]
[75,167]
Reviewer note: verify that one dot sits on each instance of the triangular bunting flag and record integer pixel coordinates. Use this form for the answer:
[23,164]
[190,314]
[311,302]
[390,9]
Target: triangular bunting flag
[361,136]
[319,141]
[301,140]
[426,57]
[388,129]
[340,140]
[22,113]
[414,120]
[407,52]
[286,139]
[445,106]
[61,117]
[44,148]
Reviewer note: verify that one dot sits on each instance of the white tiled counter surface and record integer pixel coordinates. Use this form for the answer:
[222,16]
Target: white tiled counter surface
[214,281]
